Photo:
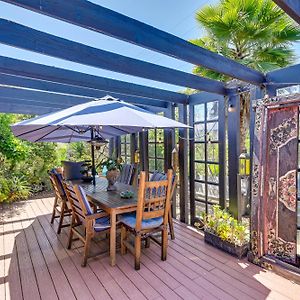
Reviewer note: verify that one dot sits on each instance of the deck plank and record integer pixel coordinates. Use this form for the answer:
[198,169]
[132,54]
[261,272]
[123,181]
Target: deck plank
[193,270]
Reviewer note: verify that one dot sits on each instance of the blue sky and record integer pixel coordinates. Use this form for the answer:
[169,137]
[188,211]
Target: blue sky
[176,17]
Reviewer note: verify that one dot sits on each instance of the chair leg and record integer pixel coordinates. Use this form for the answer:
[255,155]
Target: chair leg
[171,226]
[54,210]
[86,249]
[71,232]
[137,254]
[123,238]
[61,218]
[164,244]
[147,242]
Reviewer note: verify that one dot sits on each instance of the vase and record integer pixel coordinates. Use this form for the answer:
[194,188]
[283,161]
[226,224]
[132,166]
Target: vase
[111,177]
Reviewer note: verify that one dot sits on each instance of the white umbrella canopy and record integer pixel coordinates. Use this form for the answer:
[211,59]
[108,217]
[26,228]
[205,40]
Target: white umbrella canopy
[106,117]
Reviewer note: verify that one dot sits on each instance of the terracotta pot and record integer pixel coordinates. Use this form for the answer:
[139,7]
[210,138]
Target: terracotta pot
[111,177]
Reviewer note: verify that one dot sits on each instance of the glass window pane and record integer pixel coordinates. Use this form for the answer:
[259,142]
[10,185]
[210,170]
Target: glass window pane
[199,132]
[200,191]
[160,165]
[160,150]
[159,136]
[199,171]
[213,193]
[199,151]
[212,152]
[151,164]
[151,150]
[151,135]
[213,131]
[128,149]
[212,110]
[213,173]
[199,113]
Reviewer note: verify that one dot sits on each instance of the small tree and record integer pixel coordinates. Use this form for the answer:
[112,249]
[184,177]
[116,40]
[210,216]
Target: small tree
[255,33]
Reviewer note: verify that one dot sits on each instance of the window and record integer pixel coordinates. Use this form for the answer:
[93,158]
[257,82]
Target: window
[206,163]
[156,150]
[125,148]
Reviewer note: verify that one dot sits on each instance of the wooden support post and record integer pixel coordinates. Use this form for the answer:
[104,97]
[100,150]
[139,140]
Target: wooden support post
[144,160]
[192,164]
[255,94]
[169,140]
[117,146]
[233,149]
[183,164]
[111,147]
[222,153]
[133,147]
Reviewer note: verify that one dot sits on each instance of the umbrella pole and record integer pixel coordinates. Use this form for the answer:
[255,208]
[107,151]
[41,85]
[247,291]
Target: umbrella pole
[93,157]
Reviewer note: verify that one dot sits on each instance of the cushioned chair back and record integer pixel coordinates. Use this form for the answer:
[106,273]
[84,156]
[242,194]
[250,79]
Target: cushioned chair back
[126,174]
[157,176]
[77,205]
[56,182]
[153,199]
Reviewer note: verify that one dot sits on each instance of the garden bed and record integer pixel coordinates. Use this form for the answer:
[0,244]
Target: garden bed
[238,251]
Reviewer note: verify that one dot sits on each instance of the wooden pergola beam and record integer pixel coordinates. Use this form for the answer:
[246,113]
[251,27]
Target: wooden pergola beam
[291,7]
[100,19]
[41,85]
[42,72]
[20,106]
[23,37]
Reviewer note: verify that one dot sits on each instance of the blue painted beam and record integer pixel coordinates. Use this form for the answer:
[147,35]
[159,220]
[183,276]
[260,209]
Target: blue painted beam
[41,85]
[286,76]
[23,37]
[204,97]
[100,19]
[33,105]
[60,101]
[291,7]
[7,106]
[37,71]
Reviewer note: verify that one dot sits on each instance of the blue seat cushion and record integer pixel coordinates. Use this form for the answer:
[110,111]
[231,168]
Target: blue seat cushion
[85,201]
[158,176]
[130,220]
[102,224]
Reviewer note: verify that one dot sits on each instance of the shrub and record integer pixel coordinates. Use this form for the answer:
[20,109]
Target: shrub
[222,224]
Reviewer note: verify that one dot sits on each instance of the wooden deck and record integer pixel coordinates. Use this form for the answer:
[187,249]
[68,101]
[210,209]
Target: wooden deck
[34,264]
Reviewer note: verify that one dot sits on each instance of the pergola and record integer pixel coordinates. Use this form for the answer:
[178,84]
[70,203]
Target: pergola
[33,88]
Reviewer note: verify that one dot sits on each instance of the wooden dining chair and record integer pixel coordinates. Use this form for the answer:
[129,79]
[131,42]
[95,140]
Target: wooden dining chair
[127,174]
[61,207]
[85,222]
[157,176]
[151,216]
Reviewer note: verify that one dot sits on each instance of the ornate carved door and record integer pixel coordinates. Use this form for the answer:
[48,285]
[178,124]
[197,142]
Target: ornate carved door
[274,195]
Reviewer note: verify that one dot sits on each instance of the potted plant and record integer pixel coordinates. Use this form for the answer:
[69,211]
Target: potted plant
[113,167]
[86,172]
[224,232]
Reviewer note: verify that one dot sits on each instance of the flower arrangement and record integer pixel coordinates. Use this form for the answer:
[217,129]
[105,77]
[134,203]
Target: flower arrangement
[223,225]
[112,164]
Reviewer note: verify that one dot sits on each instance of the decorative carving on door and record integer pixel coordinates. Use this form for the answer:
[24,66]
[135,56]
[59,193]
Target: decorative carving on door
[274,179]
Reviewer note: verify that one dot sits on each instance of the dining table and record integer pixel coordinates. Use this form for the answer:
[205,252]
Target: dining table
[112,203]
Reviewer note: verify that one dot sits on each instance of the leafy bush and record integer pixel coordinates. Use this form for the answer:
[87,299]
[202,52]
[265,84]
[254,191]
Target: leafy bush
[222,224]
[24,165]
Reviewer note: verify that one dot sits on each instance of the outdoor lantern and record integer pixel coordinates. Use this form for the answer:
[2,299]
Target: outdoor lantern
[137,156]
[244,164]
[175,159]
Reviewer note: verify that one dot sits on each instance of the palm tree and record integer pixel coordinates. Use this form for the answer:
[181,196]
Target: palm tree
[256,33]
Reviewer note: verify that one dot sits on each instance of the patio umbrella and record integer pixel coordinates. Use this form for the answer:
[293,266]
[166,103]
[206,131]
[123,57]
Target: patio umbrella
[99,119]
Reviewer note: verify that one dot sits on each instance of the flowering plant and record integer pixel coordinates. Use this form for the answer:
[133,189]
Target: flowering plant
[112,164]
[222,224]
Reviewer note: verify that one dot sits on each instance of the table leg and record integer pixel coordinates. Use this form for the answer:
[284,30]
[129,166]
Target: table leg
[113,229]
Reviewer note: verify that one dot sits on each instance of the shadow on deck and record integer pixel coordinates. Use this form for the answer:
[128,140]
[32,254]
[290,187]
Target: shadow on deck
[34,264]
